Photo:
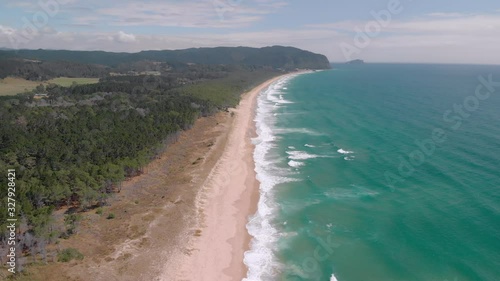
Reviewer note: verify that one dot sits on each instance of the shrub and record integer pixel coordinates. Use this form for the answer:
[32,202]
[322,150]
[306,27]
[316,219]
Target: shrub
[72,223]
[69,254]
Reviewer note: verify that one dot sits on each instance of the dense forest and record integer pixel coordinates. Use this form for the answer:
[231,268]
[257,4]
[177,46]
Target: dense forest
[45,70]
[72,147]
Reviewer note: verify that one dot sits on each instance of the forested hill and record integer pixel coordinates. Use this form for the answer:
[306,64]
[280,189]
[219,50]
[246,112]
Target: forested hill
[275,56]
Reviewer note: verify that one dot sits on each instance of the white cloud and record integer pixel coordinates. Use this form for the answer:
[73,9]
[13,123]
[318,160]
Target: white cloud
[5,30]
[476,24]
[199,14]
[123,37]
[462,25]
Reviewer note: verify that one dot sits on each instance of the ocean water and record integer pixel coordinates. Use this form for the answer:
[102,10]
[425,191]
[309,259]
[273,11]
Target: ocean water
[379,172]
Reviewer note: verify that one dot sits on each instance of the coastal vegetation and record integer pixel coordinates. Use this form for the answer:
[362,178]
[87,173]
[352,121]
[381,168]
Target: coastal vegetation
[84,129]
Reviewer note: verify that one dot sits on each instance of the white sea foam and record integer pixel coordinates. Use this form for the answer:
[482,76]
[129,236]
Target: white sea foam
[260,259]
[309,145]
[274,93]
[333,278]
[294,113]
[300,155]
[353,192]
[289,234]
[347,153]
[282,101]
[295,164]
[344,151]
[297,131]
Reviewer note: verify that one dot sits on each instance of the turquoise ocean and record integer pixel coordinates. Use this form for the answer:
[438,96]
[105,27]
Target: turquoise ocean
[381,172]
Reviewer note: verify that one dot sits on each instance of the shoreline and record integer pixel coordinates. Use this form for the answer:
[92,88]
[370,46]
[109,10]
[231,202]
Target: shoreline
[226,199]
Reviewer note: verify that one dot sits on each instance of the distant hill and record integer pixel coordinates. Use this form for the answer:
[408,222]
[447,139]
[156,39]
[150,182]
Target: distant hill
[275,56]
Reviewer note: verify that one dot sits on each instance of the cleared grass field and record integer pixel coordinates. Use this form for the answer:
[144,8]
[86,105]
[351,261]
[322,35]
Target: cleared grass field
[12,86]
[66,81]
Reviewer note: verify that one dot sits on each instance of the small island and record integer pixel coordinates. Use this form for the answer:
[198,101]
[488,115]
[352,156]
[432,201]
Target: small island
[357,61]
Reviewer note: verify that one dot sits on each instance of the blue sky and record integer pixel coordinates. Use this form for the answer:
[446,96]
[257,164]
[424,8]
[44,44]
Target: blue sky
[409,31]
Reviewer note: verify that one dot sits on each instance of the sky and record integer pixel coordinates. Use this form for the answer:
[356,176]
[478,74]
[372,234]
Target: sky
[420,31]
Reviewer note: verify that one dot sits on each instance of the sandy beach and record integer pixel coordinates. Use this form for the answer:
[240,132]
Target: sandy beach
[226,199]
